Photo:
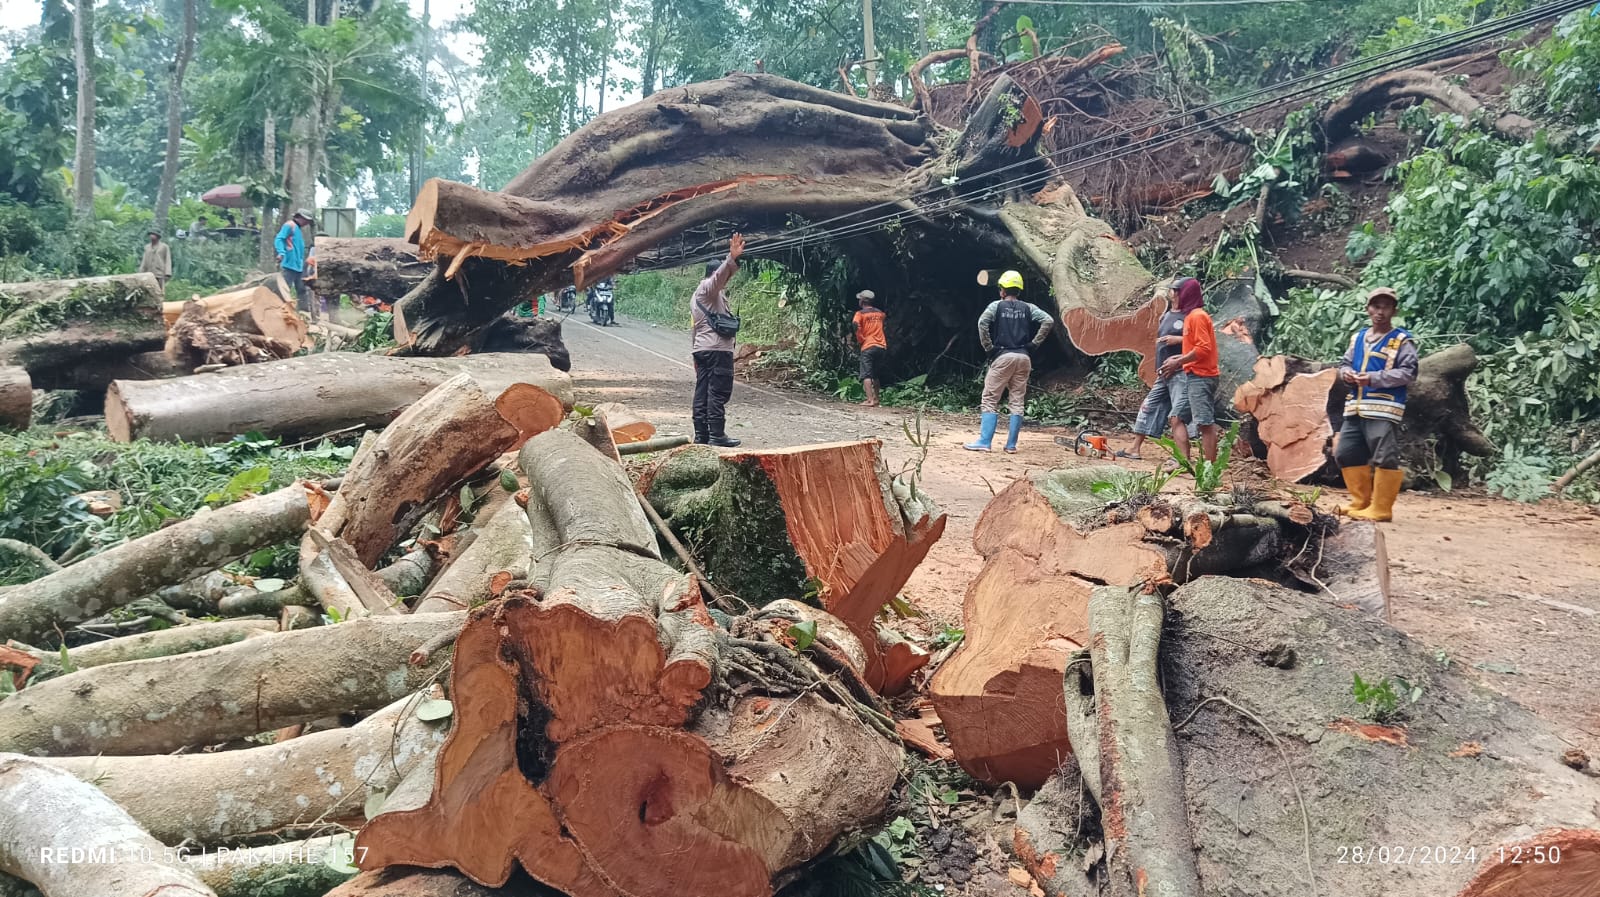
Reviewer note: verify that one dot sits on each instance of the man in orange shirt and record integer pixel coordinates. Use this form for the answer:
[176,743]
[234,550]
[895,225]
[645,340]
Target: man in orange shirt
[874,348]
[1194,393]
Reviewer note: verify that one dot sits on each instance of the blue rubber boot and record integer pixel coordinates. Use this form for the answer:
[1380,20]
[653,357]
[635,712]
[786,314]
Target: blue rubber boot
[1011,434]
[986,435]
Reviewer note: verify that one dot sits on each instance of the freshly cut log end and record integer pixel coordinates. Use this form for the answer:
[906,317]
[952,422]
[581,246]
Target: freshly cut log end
[233,328]
[772,521]
[1529,868]
[626,427]
[584,748]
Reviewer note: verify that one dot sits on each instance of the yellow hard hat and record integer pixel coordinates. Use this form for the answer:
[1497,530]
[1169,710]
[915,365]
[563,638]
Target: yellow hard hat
[1011,280]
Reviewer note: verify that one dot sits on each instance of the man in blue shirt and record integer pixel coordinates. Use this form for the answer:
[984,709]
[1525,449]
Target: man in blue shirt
[290,245]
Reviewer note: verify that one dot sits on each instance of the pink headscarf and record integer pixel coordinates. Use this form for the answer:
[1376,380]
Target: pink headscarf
[1189,297]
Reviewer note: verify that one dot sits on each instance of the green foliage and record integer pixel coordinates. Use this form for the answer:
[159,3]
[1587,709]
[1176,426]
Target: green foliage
[383,225]
[804,634]
[1381,699]
[952,395]
[42,473]
[1207,474]
[1139,485]
[377,331]
[948,635]
[1566,70]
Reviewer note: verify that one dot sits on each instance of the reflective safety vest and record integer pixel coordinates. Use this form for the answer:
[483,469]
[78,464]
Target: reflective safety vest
[1379,403]
[1012,329]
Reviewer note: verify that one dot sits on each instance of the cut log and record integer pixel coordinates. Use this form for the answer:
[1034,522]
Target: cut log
[291,869]
[161,643]
[616,777]
[775,523]
[383,268]
[69,333]
[1100,290]
[626,427]
[218,798]
[123,574]
[1351,568]
[16,398]
[237,327]
[1278,780]
[223,693]
[274,398]
[658,444]
[1115,704]
[1046,541]
[501,554]
[1297,403]
[103,853]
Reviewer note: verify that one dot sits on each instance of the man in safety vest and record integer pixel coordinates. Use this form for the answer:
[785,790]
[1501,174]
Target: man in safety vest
[1380,363]
[1009,329]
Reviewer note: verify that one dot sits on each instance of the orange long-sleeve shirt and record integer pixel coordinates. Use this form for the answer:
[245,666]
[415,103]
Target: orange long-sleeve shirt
[1200,338]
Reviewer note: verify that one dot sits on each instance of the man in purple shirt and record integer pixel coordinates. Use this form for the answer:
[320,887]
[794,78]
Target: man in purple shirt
[713,351]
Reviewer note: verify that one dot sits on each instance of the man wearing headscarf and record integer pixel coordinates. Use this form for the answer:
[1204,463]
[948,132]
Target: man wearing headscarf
[1194,393]
[1380,363]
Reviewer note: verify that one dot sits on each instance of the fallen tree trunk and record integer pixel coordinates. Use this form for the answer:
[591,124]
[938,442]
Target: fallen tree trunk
[223,693]
[1411,86]
[16,398]
[1284,793]
[273,398]
[640,786]
[502,553]
[218,798]
[88,848]
[1297,404]
[1116,705]
[293,869]
[658,444]
[238,327]
[69,334]
[128,572]
[765,529]
[1046,541]
[161,643]
[383,268]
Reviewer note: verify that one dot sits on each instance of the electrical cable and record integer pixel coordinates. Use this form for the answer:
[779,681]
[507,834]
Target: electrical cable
[1312,83]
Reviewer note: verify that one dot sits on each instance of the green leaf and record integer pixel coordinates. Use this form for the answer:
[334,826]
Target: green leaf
[269,585]
[950,796]
[804,634]
[508,481]
[1443,479]
[341,855]
[374,804]
[67,666]
[434,709]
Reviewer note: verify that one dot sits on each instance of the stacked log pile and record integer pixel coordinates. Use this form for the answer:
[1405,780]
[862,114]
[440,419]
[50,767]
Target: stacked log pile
[79,334]
[573,707]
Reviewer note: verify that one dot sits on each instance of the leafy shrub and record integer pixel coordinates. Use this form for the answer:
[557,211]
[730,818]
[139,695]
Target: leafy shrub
[383,225]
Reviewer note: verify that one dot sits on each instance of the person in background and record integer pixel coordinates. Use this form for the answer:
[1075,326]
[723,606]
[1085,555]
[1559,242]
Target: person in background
[713,351]
[1378,367]
[1194,389]
[157,260]
[290,244]
[1157,405]
[868,323]
[1009,330]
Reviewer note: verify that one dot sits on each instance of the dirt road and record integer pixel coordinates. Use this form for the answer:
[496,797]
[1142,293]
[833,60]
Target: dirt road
[1509,591]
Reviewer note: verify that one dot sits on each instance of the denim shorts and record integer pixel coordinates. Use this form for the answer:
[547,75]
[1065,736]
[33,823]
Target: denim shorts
[1155,410]
[1195,399]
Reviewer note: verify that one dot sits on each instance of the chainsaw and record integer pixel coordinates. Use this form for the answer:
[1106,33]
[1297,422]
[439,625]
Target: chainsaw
[1090,444]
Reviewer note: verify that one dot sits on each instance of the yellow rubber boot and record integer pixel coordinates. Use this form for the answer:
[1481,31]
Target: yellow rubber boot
[1386,485]
[1359,481]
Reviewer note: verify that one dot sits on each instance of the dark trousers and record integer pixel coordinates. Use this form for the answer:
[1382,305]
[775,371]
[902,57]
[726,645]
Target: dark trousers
[1364,441]
[713,386]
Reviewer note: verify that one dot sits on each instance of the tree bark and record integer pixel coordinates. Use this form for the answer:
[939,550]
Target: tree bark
[765,532]
[123,574]
[224,796]
[16,398]
[169,165]
[224,328]
[83,154]
[501,554]
[161,643]
[267,255]
[230,692]
[68,333]
[614,777]
[1115,702]
[43,810]
[385,269]
[351,390]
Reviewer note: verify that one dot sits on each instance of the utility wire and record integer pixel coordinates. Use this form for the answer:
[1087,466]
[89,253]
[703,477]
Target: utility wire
[1158,4]
[1309,84]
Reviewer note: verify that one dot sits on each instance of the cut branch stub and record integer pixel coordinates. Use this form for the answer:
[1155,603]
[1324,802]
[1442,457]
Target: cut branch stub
[583,748]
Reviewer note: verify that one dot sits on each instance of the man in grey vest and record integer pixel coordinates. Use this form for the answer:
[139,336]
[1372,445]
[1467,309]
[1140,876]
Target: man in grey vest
[1010,330]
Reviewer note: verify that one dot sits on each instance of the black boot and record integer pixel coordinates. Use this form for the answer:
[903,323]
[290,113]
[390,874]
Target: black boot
[723,441]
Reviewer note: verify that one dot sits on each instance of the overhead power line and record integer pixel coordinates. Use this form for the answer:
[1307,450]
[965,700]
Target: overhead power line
[1302,87]
[1157,4]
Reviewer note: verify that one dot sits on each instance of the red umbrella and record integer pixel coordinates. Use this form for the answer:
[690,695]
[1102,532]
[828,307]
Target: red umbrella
[227,196]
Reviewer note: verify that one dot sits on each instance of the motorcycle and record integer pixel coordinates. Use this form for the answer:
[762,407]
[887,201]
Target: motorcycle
[602,303]
[567,299]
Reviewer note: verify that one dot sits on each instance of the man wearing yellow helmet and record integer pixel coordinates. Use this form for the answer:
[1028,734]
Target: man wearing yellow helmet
[1010,330]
